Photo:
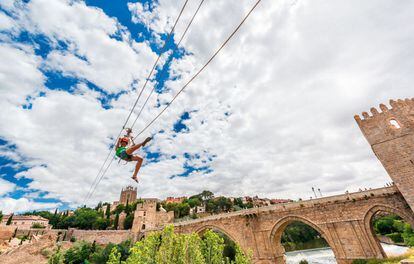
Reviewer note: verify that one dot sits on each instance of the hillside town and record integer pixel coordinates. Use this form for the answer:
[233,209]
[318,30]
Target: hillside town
[143,213]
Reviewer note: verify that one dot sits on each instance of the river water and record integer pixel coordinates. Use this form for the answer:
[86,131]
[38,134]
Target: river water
[326,255]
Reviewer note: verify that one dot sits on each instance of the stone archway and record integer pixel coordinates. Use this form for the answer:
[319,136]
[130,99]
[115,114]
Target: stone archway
[278,229]
[221,230]
[369,228]
[203,229]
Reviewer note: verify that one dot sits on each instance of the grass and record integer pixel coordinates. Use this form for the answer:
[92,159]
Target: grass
[390,260]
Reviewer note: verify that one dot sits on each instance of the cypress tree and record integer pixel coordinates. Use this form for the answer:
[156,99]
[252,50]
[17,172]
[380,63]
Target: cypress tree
[108,211]
[9,220]
[116,221]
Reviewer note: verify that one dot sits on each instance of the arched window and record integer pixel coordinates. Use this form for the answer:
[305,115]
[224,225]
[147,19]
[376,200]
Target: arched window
[394,123]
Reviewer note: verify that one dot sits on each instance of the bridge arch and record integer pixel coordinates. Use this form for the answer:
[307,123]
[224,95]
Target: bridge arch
[280,226]
[200,231]
[233,237]
[369,227]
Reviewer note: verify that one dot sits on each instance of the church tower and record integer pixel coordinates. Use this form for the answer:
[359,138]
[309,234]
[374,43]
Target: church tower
[129,194]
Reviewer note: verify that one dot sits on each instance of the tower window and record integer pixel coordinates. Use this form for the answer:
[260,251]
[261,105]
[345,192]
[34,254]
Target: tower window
[394,123]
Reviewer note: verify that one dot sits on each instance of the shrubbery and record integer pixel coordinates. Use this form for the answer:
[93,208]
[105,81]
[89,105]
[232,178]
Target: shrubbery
[393,227]
[164,247]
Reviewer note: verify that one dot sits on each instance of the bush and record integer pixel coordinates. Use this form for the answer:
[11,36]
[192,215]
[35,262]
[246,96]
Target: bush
[168,247]
[129,220]
[37,225]
[395,237]
[359,261]
[78,253]
[303,261]
[56,258]
[73,239]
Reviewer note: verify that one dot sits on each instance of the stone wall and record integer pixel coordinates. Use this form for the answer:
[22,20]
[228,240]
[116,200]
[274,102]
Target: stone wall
[102,237]
[6,232]
[147,217]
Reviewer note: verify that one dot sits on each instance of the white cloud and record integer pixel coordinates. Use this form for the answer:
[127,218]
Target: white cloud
[6,187]
[10,205]
[20,78]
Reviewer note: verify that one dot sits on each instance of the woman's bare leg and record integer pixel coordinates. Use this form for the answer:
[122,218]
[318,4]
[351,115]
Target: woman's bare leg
[139,161]
[131,149]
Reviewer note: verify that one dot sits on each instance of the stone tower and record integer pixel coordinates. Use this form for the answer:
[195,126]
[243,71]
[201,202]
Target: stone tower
[390,133]
[129,194]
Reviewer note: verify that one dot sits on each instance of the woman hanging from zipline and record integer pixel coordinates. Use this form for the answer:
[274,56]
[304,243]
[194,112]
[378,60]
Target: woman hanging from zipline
[126,153]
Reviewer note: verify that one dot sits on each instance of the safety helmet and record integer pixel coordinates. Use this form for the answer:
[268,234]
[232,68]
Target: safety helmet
[124,139]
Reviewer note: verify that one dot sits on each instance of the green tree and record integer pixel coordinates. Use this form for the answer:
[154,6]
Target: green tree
[77,254]
[116,221]
[101,223]
[193,202]
[114,257]
[108,211]
[9,221]
[145,251]
[57,257]
[129,220]
[119,209]
[85,218]
[212,247]
[206,195]
[239,202]
[1,215]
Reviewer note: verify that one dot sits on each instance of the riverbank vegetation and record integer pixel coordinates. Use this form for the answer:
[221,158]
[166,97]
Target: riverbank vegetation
[392,226]
[164,247]
[98,218]
[390,260]
[300,236]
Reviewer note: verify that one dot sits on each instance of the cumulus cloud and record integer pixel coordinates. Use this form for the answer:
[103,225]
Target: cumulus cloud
[272,115]
[6,187]
[10,205]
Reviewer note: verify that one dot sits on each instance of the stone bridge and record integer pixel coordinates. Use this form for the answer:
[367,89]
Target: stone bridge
[344,221]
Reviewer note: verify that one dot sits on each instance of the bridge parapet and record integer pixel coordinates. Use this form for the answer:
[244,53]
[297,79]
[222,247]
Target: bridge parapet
[355,196]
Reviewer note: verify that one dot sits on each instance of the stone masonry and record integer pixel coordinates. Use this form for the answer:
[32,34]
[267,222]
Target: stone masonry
[344,221]
[146,216]
[391,136]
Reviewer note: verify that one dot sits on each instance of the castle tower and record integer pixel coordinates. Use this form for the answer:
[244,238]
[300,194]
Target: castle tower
[129,194]
[390,133]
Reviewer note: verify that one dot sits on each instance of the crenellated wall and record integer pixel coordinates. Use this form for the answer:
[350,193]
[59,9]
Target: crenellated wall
[391,136]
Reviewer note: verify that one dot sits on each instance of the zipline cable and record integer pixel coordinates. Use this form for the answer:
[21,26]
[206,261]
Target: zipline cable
[194,76]
[178,45]
[89,194]
[199,71]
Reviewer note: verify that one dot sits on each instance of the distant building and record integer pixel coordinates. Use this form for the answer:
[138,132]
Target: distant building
[279,201]
[198,210]
[128,195]
[26,221]
[175,199]
[147,217]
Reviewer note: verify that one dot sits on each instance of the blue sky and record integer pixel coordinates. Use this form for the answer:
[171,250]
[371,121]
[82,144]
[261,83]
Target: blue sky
[271,116]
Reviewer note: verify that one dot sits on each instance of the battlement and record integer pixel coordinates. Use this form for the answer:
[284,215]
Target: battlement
[387,123]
